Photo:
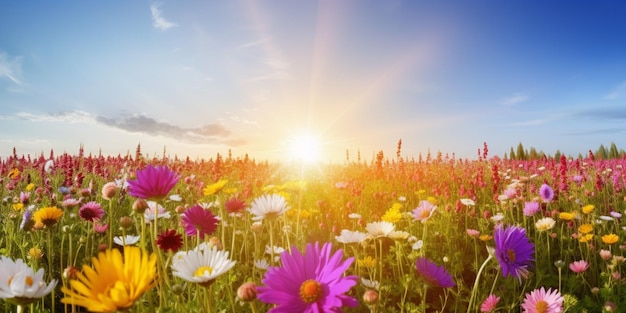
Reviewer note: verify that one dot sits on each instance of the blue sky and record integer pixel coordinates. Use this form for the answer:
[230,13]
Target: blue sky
[203,77]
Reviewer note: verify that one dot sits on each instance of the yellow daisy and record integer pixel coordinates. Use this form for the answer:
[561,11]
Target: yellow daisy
[214,188]
[567,216]
[392,215]
[114,281]
[588,208]
[48,216]
[610,239]
[585,228]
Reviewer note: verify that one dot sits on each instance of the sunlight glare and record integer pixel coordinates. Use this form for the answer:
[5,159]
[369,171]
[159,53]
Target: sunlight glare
[305,148]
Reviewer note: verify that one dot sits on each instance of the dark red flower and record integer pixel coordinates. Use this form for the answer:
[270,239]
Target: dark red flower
[169,240]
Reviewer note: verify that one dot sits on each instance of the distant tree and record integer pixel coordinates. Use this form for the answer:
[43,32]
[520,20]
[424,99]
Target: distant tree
[533,155]
[512,154]
[557,154]
[613,153]
[521,154]
[602,152]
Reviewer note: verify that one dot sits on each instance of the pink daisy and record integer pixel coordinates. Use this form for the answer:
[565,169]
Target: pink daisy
[490,303]
[579,266]
[542,301]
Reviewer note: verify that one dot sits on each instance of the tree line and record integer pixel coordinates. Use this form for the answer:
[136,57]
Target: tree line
[521,153]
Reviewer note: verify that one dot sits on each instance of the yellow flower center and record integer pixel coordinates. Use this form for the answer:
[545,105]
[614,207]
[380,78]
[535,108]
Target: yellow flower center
[310,291]
[511,255]
[541,306]
[201,270]
[424,214]
[28,280]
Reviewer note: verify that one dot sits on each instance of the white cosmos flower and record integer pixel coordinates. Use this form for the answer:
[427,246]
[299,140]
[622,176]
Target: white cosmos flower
[348,236]
[380,229]
[373,284]
[128,240]
[261,264]
[19,284]
[277,250]
[151,211]
[201,266]
[545,223]
[418,245]
[267,206]
[468,202]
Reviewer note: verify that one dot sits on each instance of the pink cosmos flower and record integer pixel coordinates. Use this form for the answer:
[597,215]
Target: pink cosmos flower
[423,211]
[490,303]
[579,266]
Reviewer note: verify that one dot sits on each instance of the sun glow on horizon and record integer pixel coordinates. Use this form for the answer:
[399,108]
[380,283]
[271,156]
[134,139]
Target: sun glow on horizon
[305,148]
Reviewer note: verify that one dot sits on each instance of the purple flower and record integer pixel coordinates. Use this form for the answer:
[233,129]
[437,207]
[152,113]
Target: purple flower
[309,282]
[513,250]
[435,276]
[152,183]
[199,221]
[546,193]
[531,208]
[91,211]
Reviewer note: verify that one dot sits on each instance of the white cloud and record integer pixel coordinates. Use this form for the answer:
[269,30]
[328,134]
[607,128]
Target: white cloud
[158,21]
[617,92]
[11,68]
[515,99]
[81,117]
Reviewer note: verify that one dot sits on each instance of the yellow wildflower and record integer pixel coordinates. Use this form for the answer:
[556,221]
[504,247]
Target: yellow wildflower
[485,237]
[432,200]
[367,262]
[588,208]
[114,282]
[214,188]
[35,253]
[14,173]
[17,206]
[610,239]
[30,187]
[585,238]
[585,228]
[47,216]
[392,215]
[567,216]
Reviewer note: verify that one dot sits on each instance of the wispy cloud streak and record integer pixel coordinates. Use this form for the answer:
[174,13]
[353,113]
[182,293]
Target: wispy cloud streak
[617,92]
[514,99]
[158,21]
[11,68]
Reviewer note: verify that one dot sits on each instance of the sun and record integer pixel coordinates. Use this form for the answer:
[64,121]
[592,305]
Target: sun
[305,148]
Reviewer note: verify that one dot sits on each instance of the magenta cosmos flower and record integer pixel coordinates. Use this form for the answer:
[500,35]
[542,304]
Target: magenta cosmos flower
[152,183]
[309,282]
[434,275]
[513,250]
[542,301]
[199,221]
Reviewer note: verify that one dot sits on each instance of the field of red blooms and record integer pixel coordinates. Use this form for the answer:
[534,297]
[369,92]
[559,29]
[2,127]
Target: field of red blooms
[85,233]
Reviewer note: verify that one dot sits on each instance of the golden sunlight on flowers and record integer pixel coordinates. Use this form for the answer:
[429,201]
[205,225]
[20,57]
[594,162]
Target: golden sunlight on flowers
[47,216]
[393,215]
[214,188]
[610,239]
[567,216]
[114,281]
[588,208]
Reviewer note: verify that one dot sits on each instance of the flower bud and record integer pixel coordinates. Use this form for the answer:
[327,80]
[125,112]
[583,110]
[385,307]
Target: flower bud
[140,206]
[370,297]
[126,222]
[247,292]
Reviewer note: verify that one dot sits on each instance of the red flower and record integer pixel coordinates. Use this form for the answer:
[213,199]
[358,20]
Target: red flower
[169,240]
[234,205]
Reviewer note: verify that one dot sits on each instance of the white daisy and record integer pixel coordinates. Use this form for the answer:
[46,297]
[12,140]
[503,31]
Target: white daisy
[128,240]
[267,206]
[370,283]
[151,211]
[348,236]
[261,264]
[418,245]
[545,223]
[202,266]
[354,216]
[468,202]
[380,229]
[19,284]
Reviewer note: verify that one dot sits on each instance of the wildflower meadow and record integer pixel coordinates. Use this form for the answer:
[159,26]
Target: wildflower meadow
[432,233]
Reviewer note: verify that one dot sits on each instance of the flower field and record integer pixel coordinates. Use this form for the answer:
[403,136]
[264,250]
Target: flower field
[85,233]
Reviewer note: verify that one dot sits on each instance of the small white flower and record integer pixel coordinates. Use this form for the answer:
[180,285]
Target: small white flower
[399,235]
[606,218]
[418,245]
[354,216]
[129,240]
[48,166]
[380,229]
[18,280]
[348,236]
[176,198]
[261,264]
[201,266]
[401,198]
[277,250]
[370,283]
[468,202]
[545,223]
[267,206]
[498,217]
[151,211]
